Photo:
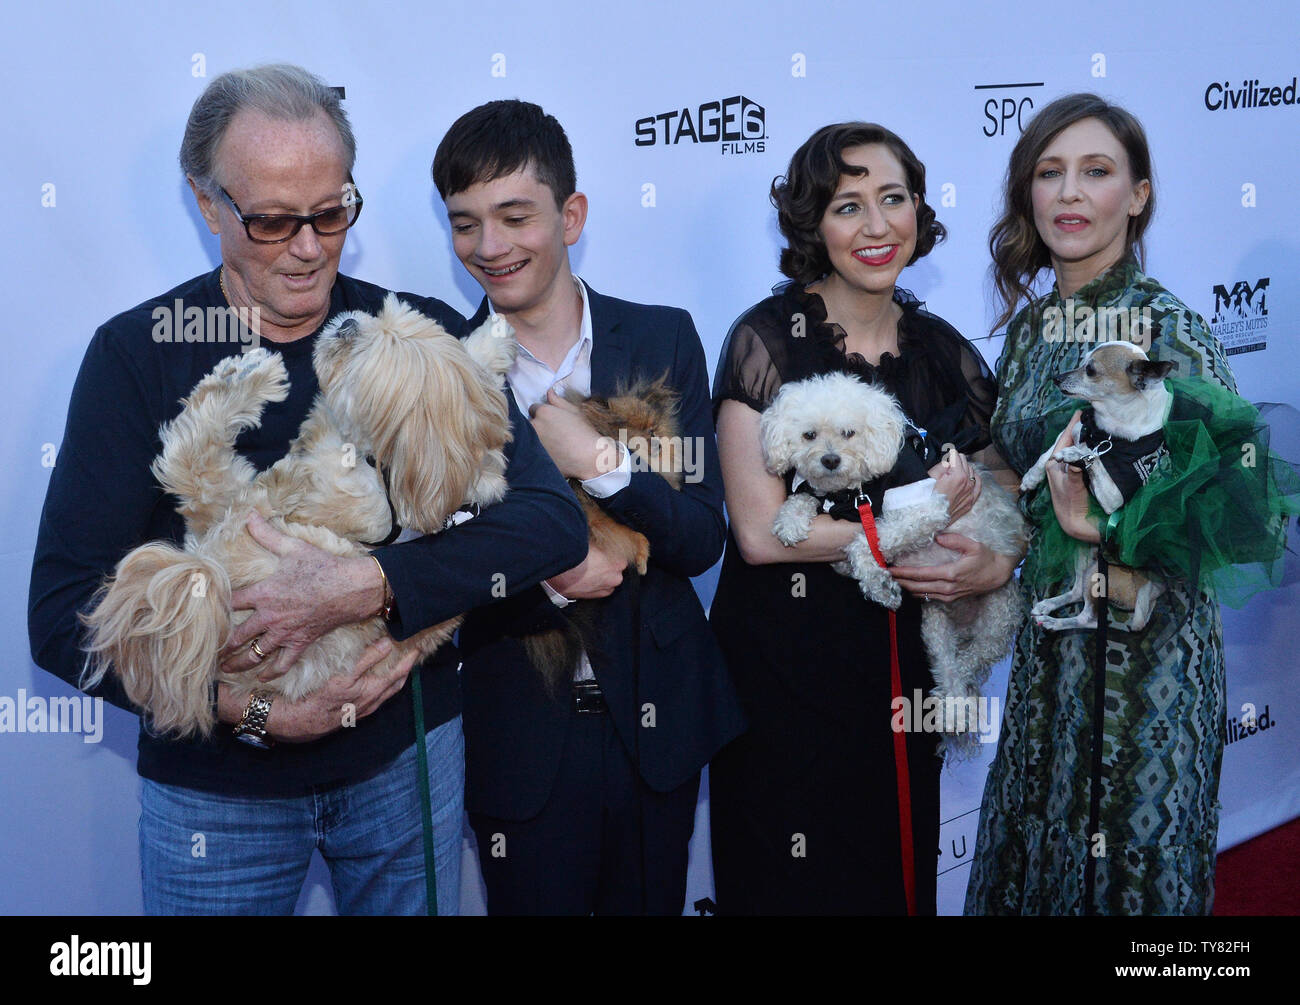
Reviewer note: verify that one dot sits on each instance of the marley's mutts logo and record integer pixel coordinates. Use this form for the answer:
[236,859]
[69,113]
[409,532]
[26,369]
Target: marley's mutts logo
[737,124]
[1240,318]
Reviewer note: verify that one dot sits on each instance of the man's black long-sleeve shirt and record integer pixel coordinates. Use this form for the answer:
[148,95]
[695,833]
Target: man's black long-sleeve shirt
[103,501]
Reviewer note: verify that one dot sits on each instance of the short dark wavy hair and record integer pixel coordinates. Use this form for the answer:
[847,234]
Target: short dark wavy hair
[803,193]
[500,138]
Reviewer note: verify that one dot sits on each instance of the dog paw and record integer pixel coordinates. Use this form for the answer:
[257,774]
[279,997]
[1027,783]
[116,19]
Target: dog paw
[789,533]
[859,561]
[1069,455]
[258,373]
[1058,624]
[880,588]
[642,558]
[793,522]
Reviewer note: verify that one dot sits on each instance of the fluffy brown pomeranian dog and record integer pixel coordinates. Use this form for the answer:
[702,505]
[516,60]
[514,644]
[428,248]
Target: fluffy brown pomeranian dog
[644,419]
[429,409]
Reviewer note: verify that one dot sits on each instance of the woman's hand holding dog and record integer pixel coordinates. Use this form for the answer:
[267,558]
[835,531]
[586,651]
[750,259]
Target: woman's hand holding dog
[310,595]
[1070,490]
[955,478]
[979,570]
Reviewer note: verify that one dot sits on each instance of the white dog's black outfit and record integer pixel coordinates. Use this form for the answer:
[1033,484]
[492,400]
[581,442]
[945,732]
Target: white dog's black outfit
[921,452]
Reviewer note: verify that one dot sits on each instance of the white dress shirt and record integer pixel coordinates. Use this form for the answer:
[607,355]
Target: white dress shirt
[530,379]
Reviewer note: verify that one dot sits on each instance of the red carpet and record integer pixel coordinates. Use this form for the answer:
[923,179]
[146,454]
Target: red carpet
[1261,876]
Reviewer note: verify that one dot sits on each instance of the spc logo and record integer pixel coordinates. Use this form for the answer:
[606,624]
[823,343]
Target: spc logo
[1011,106]
[737,124]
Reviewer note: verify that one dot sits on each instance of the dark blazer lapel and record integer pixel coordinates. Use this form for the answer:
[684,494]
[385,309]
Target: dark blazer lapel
[610,355]
[479,317]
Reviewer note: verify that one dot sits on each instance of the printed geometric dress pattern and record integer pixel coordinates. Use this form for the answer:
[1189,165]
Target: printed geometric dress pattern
[1164,686]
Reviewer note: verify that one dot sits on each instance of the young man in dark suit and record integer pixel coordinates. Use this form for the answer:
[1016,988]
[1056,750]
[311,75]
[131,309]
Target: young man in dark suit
[584,801]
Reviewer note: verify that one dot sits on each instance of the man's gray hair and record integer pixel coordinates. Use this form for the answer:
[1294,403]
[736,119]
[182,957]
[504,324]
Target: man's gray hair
[279,91]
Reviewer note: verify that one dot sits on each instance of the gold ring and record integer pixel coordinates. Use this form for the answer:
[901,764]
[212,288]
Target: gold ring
[256,651]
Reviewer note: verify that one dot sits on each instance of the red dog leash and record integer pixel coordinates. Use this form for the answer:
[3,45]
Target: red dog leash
[901,774]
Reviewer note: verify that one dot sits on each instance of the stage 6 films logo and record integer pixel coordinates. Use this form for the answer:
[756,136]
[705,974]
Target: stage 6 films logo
[1240,319]
[737,124]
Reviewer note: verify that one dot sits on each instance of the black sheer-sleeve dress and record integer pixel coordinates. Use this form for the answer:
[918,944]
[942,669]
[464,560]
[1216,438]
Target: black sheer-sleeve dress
[804,807]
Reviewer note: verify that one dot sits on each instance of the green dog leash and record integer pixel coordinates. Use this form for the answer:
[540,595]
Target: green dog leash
[426,803]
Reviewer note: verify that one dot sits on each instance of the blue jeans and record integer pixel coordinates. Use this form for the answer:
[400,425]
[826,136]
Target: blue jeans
[209,853]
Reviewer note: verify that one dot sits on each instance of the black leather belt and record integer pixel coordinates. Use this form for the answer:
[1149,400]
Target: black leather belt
[588,698]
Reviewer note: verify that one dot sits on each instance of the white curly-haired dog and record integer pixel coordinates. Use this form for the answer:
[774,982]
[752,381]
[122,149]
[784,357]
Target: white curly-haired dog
[395,389]
[837,433]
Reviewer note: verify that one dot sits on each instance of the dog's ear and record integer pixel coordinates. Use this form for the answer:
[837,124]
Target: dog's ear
[439,441]
[884,428]
[1146,372]
[776,439]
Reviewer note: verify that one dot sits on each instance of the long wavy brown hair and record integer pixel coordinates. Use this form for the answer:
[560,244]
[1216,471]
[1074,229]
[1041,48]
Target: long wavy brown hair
[1018,251]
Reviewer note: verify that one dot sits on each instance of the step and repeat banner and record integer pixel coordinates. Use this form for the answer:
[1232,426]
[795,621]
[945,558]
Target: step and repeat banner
[680,115]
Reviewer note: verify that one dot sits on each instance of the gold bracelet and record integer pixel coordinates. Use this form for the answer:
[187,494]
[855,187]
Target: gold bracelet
[251,728]
[386,605]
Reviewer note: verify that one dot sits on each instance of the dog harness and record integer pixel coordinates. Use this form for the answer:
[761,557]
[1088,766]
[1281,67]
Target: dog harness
[918,455]
[1129,463]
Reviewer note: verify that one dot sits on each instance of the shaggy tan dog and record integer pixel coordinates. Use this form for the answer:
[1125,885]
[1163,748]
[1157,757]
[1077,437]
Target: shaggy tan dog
[396,387]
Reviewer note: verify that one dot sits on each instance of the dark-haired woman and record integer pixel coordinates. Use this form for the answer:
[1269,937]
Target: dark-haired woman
[805,807]
[1079,198]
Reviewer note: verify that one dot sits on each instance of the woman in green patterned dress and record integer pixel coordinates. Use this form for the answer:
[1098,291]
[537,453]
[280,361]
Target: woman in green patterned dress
[1078,198]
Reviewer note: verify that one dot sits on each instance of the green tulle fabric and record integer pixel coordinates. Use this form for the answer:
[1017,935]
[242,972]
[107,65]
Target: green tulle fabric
[1213,512]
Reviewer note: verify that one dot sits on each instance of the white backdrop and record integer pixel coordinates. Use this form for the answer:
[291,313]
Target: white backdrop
[100,219]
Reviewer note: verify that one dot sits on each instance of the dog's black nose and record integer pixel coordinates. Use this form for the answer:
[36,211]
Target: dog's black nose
[349,328]
[830,461]
[1057,378]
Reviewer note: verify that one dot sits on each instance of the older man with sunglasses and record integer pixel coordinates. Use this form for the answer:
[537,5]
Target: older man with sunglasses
[228,825]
